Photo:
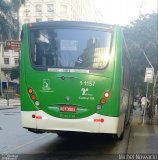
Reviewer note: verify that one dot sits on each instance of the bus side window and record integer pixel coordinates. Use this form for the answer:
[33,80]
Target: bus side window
[33,49]
[38,54]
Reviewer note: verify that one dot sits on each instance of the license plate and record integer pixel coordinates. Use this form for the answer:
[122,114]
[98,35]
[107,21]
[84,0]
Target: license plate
[67,108]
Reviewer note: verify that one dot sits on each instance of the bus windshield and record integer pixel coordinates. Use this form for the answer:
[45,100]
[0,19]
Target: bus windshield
[69,48]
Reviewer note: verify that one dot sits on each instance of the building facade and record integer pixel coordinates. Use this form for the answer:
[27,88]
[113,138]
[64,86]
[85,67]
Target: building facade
[9,59]
[41,10]
[56,10]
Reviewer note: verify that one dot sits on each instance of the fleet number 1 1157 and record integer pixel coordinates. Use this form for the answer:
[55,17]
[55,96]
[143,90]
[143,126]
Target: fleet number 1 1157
[87,83]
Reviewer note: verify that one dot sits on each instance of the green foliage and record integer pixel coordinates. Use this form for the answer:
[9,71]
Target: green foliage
[8,25]
[141,36]
[4,6]
[17,3]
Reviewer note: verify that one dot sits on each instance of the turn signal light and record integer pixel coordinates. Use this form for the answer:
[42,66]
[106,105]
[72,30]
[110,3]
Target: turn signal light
[30,90]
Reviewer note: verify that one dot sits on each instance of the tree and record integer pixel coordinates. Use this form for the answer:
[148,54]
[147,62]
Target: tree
[9,26]
[5,20]
[141,36]
[16,4]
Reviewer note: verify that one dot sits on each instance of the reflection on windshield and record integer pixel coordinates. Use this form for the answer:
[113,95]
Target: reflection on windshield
[70,48]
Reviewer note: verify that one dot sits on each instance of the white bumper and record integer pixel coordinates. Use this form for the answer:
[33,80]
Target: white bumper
[94,124]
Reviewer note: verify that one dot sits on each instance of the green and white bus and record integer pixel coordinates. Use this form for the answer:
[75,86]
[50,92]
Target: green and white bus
[75,77]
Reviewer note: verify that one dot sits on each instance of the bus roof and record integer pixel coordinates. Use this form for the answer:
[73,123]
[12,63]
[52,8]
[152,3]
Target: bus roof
[74,24]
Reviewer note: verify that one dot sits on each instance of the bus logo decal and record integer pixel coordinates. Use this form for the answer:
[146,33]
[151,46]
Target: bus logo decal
[84,90]
[46,84]
[86,95]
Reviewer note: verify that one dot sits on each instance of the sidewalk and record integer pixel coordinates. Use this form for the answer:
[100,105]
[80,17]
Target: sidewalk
[143,137]
[13,103]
